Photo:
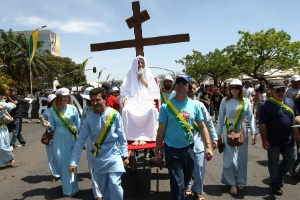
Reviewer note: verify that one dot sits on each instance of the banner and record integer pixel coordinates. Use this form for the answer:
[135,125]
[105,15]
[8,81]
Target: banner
[37,106]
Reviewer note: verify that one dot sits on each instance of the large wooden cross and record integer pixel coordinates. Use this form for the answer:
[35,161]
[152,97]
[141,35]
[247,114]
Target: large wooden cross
[139,42]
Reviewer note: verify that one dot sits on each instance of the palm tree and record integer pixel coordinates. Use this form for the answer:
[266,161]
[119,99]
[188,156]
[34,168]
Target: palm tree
[18,59]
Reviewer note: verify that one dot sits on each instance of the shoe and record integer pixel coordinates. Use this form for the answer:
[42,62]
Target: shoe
[198,196]
[240,186]
[233,190]
[24,144]
[292,172]
[54,179]
[12,148]
[188,192]
[276,190]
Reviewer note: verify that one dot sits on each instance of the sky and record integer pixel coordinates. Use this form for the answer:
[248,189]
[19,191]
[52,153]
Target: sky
[211,24]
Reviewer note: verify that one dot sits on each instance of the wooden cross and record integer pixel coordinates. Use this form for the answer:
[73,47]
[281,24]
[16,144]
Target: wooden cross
[139,42]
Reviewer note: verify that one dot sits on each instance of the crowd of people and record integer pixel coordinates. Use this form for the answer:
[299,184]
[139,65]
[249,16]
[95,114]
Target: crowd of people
[178,117]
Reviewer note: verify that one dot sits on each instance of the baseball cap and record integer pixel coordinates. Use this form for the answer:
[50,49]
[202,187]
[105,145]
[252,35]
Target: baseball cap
[168,77]
[185,77]
[236,82]
[295,78]
[62,91]
[276,85]
[86,93]
[107,87]
[115,89]
[51,97]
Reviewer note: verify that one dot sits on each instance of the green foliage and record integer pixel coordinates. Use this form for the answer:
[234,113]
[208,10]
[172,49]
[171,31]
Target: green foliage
[215,64]
[258,53]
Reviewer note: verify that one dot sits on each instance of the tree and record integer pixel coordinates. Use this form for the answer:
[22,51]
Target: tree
[65,70]
[215,64]
[258,53]
[15,54]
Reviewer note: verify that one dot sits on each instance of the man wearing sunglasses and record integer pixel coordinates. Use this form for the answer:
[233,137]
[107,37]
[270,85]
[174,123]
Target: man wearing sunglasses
[176,124]
[276,116]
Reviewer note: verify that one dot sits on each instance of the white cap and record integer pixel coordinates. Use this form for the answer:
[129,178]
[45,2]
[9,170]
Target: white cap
[86,93]
[236,82]
[115,89]
[295,78]
[62,91]
[168,77]
[51,97]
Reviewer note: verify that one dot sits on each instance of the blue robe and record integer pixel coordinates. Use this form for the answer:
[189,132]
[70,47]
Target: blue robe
[109,162]
[49,150]
[63,145]
[235,159]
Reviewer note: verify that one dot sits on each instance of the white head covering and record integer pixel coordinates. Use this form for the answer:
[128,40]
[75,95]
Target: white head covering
[51,97]
[86,93]
[131,86]
[62,91]
[236,82]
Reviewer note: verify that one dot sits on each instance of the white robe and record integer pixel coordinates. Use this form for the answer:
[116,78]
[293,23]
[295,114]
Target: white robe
[139,114]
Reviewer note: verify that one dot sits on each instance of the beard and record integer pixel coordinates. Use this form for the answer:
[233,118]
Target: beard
[168,87]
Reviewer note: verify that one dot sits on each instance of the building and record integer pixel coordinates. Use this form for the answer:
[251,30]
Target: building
[51,40]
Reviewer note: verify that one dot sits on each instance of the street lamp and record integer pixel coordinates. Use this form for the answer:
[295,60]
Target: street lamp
[173,73]
[31,53]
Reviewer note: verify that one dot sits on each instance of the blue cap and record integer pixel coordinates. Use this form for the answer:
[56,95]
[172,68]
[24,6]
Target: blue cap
[185,77]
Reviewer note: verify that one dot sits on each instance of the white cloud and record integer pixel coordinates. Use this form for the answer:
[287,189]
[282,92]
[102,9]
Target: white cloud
[72,26]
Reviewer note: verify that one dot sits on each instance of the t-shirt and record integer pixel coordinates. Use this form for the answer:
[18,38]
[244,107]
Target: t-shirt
[175,135]
[113,102]
[292,93]
[16,112]
[278,123]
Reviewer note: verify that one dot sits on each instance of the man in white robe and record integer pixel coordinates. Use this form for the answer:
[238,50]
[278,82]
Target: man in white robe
[138,92]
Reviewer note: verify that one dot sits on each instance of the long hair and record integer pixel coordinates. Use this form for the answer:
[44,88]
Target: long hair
[240,97]
[58,103]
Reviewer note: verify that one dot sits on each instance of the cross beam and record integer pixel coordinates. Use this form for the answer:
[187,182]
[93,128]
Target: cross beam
[139,42]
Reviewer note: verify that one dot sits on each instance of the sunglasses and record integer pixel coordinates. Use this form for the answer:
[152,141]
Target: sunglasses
[235,87]
[183,82]
[280,90]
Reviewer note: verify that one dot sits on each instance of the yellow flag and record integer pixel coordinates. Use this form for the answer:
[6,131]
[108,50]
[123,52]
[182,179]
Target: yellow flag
[33,44]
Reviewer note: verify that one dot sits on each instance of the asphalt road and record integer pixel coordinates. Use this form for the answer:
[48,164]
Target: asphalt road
[30,177]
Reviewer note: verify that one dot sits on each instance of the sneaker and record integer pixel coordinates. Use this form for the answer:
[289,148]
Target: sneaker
[23,144]
[276,190]
[11,148]
[292,172]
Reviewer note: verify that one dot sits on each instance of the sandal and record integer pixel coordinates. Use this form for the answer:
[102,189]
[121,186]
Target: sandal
[240,186]
[199,196]
[11,163]
[54,179]
[188,192]
[233,190]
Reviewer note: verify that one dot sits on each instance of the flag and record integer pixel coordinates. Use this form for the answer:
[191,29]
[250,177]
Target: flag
[100,73]
[84,63]
[108,77]
[33,44]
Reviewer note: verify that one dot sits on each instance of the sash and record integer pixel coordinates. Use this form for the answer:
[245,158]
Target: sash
[285,107]
[237,118]
[3,125]
[66,122]
[104,132]
[183,123]
[164,98]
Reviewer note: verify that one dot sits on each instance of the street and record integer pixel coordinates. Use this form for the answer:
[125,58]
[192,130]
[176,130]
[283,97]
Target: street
[30,176]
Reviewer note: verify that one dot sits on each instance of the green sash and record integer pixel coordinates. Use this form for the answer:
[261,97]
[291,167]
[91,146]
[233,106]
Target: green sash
[3,125]
[237,118]
[183,123]
[107,126]
[163,97]
[66,122]
[286,108]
